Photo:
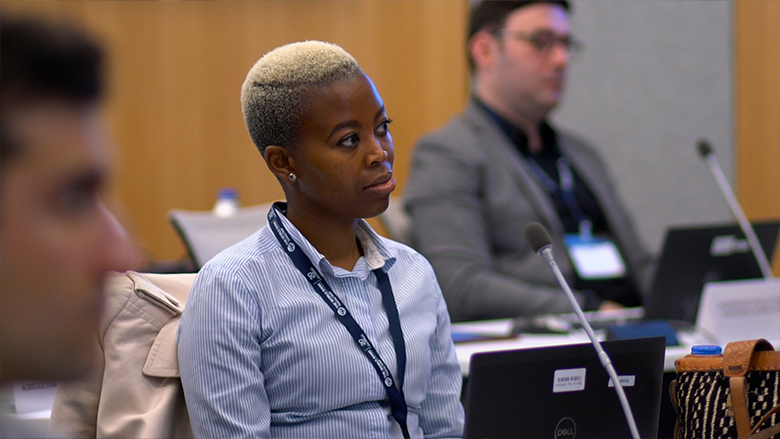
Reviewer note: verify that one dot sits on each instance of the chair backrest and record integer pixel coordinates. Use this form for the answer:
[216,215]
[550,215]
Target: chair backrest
[205,234]
[397,221]
[135,391]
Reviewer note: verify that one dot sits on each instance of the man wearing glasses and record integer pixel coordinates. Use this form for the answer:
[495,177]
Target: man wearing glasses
[476,182]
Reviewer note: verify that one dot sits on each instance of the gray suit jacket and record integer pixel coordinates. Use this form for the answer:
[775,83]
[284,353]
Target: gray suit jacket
[470,195]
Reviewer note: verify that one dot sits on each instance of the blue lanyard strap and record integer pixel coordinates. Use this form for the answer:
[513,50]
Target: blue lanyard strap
[564,189]
[301,261]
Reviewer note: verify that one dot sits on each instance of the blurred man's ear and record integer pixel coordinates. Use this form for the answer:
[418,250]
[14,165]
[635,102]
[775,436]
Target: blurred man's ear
[483,47]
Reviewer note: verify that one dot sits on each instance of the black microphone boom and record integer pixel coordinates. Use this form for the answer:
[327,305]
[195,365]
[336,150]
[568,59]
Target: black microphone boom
[704,148]
[537,236]
[540,242]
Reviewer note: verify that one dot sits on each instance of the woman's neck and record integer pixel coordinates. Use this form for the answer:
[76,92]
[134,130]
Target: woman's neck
[336,240]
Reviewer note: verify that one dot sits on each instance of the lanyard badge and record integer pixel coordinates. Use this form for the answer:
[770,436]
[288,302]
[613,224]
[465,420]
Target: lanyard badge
[393,388]
[594,257]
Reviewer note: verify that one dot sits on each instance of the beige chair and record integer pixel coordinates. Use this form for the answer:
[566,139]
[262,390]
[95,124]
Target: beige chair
[205,234]
[136,391]
[396,220]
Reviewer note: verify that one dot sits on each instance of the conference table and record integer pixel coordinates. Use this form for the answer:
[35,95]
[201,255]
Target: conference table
[497,335]
[501,334]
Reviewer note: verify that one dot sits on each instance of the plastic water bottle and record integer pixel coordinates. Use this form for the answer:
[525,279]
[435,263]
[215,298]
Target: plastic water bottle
[227,202]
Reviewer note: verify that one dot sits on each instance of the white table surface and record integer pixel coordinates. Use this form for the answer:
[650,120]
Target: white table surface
[503,327]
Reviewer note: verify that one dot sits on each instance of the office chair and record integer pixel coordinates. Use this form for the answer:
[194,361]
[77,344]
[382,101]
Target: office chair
[206,234]
[135,392]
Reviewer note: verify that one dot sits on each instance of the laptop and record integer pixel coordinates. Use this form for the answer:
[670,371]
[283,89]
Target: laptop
[694,256]
[563,392]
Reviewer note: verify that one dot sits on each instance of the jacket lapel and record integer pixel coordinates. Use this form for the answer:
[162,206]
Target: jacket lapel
[503,153]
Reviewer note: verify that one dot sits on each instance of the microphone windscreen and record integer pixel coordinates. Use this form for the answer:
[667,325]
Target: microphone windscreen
[704,148]
[537,236]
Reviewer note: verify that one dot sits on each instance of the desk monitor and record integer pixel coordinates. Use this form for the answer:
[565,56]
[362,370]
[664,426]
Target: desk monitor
[693,256]
[563,392]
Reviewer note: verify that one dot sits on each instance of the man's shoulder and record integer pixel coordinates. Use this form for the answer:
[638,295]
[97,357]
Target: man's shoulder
[459,135]
[456,128]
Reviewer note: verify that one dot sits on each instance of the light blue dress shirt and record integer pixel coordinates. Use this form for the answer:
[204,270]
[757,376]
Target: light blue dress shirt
[262,355]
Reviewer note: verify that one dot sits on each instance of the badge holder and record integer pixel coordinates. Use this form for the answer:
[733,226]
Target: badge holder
[594,257]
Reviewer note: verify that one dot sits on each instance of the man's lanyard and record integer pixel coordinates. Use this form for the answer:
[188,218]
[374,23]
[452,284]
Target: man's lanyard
[304,265]
[564,190]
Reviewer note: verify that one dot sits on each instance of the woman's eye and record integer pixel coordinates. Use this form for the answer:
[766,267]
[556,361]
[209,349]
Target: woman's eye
[383,127]
[350,140]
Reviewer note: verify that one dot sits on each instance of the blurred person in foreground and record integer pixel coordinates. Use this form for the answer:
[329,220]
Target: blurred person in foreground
[57,240]
[476,182]
[316,326]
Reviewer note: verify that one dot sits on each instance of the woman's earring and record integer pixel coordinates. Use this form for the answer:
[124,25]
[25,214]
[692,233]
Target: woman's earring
[292,177]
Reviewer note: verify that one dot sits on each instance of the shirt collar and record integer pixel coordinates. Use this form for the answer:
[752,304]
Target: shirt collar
[516,135]
[375,252]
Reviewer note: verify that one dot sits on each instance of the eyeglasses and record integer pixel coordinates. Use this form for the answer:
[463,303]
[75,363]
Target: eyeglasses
[543,40]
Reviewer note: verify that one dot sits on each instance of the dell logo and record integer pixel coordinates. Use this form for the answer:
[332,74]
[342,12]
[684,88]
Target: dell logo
[726,245]
[566,429]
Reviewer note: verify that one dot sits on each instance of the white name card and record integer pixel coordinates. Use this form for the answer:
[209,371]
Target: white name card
[32,396]
[741,310]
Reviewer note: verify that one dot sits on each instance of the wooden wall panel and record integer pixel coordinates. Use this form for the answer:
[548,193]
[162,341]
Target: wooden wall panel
[176,72]
[757,109]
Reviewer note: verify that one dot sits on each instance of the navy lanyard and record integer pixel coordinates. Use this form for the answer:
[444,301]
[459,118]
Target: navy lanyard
[564,190]
[304,265]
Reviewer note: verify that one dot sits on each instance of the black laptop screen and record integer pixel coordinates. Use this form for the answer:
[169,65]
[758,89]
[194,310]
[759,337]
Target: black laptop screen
[562,392]
[693,256]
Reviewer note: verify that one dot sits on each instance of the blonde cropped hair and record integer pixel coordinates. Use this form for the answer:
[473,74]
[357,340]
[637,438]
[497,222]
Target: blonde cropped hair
[274,93]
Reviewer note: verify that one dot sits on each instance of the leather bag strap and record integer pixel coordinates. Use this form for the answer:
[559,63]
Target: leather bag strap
[673,396]
[739,402]
[768,432]
[737,355]
[736,362]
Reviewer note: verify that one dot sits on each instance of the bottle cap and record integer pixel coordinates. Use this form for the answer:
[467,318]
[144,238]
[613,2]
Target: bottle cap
[706,349]
[227,192]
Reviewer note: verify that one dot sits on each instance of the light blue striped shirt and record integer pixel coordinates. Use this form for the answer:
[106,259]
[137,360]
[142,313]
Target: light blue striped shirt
[262,355]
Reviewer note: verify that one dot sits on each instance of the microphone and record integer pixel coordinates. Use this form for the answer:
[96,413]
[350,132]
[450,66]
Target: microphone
[540,242]
[708,155]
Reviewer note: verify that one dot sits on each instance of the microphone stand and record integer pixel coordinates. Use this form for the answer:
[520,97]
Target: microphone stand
[744,224]
[546,253]
[540,242]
